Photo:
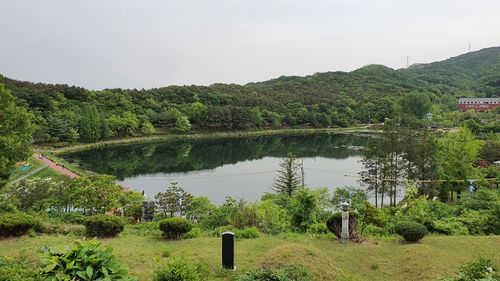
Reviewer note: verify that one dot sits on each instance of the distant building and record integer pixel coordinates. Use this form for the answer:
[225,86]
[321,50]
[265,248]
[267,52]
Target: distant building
[478,104]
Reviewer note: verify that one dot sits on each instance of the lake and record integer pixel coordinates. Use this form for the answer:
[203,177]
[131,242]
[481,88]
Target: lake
[238,167]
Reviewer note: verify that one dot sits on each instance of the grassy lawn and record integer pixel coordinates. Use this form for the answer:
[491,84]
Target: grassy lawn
[376,259]
[18,172]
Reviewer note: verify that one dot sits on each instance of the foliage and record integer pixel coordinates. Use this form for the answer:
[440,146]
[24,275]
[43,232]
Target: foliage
[174,200]
[37,194]
[318,228]
[104,226]
[286,273]
[334,224]
[15,134]
[96,194]
[288,176]
[354,196]
[411,231]
[131,203]
[179,268]
[83,261]
[481,269]
[199,209]
[273,218]
[195,232]
[303,209]
[174,228]
[449,226]
[247,233]
[17,224]
[17,269]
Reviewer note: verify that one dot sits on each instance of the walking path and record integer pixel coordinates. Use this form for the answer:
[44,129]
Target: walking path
[54,166]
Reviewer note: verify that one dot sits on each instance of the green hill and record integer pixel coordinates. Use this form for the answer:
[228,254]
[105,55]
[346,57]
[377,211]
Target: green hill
[370,93]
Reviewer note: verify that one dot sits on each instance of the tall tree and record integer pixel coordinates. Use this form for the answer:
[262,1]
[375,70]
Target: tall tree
[288,176]
[15,134]
[457,152]
[174,200]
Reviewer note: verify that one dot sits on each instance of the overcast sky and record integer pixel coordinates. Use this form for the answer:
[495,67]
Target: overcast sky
[147,43]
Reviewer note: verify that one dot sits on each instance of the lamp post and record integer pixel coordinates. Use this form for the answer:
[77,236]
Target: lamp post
[344,235]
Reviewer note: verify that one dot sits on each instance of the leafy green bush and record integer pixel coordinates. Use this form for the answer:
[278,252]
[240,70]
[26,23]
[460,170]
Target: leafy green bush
[286,273]
[411,231]
[64,229]
[17,224]
[83,261]
[247,233]
[70,217]
[318,228]
[104,226]
[449,226]
[179,268]
[174,228]
[150,228]
[475,221]
[273,218]
[375,230]
[12,269]
[193,233]
[482,269]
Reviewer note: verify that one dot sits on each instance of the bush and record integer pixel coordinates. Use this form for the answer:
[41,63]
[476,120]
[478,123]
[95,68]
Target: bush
[247,233]
[71,217]
[411,231]
[150,228]
[64,229]
[286,273]
[104,226]
[334,224]
[179,268]
[449,226]
[83,261]
[174,228]
[375,230]
[318,228]
[17,224]
[481,269]
[17,269]
[193,233]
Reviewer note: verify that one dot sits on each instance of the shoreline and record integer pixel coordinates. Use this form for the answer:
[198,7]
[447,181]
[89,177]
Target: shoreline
[198,136]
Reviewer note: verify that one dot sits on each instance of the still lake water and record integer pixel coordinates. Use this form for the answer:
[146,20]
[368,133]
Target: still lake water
[238,167]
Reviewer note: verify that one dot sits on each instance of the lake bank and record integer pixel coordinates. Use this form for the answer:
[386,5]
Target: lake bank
[199,136]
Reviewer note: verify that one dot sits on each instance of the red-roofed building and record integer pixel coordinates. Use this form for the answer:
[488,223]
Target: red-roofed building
[478,104]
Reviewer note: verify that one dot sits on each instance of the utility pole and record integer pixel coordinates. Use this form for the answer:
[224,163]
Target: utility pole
[302,170]
[407,61]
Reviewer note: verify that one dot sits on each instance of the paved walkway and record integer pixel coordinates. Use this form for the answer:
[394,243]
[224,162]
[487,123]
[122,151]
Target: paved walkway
[54,166]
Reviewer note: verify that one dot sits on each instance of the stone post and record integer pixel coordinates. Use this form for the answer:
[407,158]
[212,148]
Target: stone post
[228,250]
[344,235]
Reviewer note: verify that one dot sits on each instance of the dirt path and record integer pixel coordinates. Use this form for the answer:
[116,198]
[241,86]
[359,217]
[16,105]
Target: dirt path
[54,166]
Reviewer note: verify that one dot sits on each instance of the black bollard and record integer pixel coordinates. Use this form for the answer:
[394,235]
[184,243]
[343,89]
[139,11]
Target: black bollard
[228,250]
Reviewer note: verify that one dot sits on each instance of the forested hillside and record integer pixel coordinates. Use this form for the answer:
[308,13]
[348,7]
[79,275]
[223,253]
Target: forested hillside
[369,94]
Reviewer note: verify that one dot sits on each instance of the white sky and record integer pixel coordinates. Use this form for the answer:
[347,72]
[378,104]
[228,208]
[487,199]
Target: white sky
[150,43]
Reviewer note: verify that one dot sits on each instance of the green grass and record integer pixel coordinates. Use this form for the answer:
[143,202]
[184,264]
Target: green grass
[384,259]
[34,163]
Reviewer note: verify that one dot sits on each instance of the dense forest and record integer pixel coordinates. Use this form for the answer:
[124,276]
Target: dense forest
[370,94]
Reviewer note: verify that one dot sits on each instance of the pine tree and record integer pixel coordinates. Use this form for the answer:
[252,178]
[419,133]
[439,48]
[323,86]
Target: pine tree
[288,176]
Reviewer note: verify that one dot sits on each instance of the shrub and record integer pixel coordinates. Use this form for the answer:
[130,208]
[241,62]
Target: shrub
[179,268]
[193,233]
[71,217]
[481,269]
[411,231]
[104,226]
[144,229]
[273,218]
[334,224]
[449,226]
[17,224]
[83,261]
[375,230]
[174,228]
[286,273]
[17,269]
[247,233]
[318,228]
[64,229]
[221,229]
[475,221]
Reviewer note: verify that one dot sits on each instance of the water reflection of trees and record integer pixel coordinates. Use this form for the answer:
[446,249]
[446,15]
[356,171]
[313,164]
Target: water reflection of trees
[184,156]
